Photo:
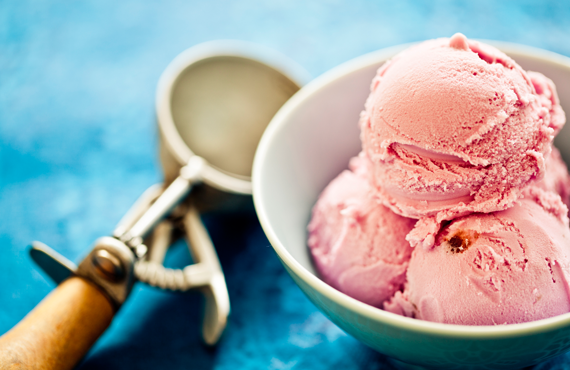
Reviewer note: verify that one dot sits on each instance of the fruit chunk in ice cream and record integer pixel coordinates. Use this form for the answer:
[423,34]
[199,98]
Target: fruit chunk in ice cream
[359,245]
[503,267]
[454,126]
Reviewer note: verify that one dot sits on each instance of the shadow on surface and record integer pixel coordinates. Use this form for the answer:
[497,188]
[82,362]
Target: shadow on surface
[158,330]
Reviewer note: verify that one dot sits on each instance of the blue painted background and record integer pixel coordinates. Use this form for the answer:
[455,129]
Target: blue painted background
[78,145]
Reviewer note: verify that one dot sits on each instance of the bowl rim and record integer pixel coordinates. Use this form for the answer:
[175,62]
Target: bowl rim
[370,312]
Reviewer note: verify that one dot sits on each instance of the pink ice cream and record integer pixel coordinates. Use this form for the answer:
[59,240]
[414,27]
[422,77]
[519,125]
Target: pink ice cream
[457,161]
[358,245]
[556,178]
[497,268]
[453,126]
[548,98]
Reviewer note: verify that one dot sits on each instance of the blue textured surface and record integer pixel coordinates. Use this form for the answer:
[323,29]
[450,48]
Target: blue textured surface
[78,145]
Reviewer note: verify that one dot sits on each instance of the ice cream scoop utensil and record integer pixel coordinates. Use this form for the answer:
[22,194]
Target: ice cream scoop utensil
[215,98]
[205,274]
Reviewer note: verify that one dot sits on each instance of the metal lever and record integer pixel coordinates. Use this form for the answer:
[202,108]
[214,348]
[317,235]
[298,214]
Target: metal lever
[215,291]
[163,205]
[205,274]
[54,264]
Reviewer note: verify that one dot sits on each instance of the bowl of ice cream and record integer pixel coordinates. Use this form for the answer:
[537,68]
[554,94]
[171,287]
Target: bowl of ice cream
[311,141]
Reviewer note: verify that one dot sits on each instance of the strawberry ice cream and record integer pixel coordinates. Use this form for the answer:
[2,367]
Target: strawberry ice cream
[453,126]
[497,268]
[457,161]
[556,178]
[546,91]
[358,245]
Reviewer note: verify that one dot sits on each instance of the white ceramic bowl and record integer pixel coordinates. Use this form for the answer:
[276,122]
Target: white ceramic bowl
[306,145]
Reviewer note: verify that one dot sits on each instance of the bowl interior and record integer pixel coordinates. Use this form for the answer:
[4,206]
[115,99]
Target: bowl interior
[311,140]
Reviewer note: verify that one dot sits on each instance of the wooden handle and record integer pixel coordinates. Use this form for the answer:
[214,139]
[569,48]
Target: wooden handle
[60,330]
